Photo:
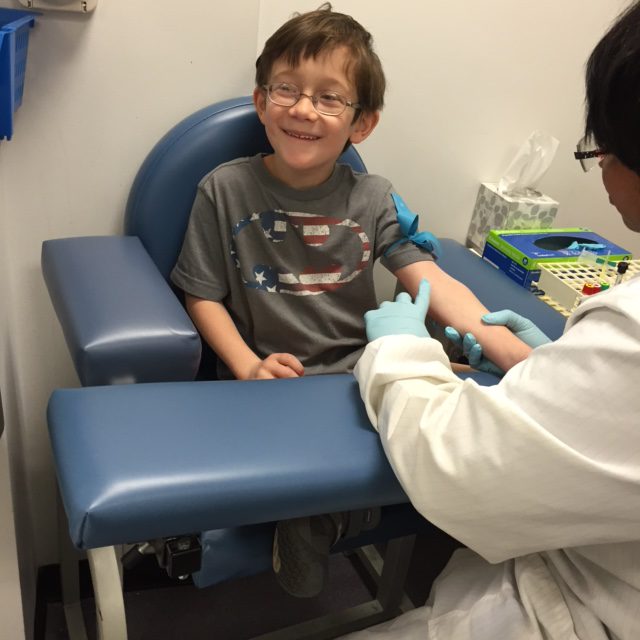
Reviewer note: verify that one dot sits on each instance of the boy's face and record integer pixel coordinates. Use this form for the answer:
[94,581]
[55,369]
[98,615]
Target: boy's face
[307,144]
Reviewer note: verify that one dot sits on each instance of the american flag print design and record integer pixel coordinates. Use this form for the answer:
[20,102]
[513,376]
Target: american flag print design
[316,230]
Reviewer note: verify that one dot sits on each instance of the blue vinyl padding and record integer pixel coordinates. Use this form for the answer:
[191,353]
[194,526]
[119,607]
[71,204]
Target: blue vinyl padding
[143,461]
[151,460]
[121,320]
[136,462]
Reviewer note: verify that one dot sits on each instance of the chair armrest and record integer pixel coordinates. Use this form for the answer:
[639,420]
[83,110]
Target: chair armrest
[143,461]
[137,462]
[120,318]
[496,290]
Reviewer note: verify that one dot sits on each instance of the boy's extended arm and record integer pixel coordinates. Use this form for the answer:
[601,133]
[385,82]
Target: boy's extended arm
[453,304]
[219,331]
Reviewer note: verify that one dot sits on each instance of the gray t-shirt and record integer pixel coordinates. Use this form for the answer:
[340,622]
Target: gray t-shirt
[293,268]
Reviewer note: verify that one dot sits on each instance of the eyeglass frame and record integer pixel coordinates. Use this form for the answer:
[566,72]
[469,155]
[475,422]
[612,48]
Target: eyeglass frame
[313,98]
[583,156]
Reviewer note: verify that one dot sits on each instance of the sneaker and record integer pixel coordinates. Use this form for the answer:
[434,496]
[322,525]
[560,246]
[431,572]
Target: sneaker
[301,552]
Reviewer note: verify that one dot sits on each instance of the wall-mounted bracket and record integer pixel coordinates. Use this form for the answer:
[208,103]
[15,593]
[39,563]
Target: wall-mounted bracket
[77,6]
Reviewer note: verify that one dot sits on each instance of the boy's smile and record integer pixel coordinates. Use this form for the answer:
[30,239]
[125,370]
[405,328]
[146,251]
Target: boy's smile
[306,143]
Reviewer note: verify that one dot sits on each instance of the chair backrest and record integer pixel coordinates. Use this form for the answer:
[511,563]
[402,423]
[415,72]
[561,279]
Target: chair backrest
[165,186]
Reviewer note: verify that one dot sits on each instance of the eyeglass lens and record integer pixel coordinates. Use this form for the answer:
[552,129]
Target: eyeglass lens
[326,102]
[588,153]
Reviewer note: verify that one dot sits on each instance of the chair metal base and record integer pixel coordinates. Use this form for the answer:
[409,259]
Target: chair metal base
[106,574]
[390,600]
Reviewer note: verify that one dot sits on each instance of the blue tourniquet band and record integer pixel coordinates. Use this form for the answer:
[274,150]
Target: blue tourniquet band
[408,222]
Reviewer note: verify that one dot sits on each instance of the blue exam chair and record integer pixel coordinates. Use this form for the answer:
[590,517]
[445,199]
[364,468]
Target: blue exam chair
[161,459]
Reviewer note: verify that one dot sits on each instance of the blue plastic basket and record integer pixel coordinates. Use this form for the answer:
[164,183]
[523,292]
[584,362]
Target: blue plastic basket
[14,40]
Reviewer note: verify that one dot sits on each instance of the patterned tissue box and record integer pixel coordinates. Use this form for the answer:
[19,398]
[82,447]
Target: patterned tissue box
[494,210]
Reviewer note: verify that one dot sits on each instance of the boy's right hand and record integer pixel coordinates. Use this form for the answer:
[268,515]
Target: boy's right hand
[277,365]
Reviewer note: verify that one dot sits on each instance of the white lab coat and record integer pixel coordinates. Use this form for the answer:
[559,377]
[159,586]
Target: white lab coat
[539,476]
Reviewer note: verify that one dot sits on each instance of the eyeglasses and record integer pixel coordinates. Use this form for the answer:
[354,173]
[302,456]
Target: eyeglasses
[587,153]
[326,103]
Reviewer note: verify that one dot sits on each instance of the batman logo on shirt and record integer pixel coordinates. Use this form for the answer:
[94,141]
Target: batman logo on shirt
[295,253]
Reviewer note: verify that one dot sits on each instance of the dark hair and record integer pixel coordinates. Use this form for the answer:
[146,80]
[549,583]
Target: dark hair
[613,90]
[317,32]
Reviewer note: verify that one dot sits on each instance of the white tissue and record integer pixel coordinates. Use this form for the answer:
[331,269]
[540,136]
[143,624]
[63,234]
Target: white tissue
[529,165]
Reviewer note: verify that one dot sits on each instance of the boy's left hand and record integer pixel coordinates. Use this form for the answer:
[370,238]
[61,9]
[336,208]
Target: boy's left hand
[400,317]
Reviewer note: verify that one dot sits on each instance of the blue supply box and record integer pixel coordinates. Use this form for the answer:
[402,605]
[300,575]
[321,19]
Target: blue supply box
[519,252]
[14,40]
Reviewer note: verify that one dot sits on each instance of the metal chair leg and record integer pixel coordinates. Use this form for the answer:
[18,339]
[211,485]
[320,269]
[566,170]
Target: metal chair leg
[389,574]
[107,586]
[70,579]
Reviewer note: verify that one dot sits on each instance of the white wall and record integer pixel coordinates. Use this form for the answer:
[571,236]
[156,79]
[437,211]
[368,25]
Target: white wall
[468,82]
[100,91]
[11,474]
[11,620]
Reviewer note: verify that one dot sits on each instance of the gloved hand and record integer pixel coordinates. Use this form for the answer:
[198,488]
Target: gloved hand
[400,317]
[521,327]
[472,351]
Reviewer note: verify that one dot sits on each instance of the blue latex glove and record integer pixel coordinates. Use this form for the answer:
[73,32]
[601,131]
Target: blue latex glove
[400,317]
[472,351]
[520,326]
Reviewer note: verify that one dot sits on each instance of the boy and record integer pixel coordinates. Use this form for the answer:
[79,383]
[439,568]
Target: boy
[277,262]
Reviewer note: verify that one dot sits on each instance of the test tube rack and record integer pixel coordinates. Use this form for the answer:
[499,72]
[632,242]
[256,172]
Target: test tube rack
[562,282]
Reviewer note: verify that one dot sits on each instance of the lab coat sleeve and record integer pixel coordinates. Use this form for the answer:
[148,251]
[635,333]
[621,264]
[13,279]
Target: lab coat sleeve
[546,459]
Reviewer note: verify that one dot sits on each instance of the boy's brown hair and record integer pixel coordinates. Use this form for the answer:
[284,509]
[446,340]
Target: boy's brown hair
[311,34]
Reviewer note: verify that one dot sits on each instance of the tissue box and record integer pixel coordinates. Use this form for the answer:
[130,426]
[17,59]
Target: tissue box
[519,253]
[494,210]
